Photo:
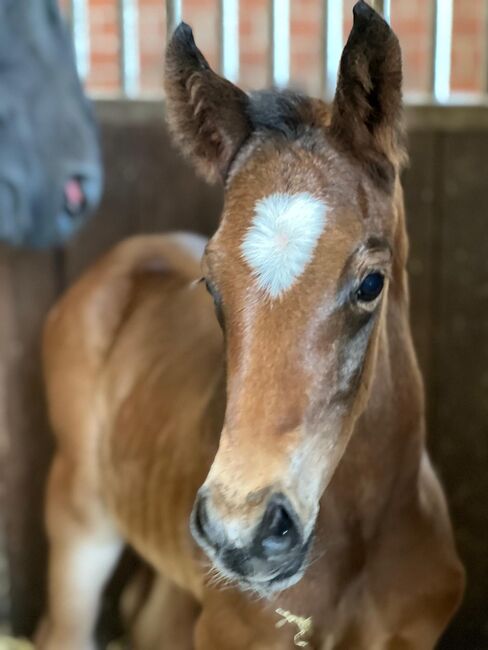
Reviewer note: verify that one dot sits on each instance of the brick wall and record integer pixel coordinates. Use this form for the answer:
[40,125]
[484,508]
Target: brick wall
[469,45]
[412,20]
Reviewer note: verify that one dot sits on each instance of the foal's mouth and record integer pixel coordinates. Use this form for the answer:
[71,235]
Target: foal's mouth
[286,574]
[267,586]
[251,574]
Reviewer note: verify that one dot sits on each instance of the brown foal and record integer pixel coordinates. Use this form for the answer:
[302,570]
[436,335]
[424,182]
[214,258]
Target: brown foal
[290,448]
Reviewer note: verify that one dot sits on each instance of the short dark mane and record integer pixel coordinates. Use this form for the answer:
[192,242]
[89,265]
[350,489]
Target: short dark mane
[285,112]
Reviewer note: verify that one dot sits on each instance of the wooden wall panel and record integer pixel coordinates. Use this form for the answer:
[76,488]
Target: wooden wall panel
[32,286]
[419,181]
[6,316]
[458,390]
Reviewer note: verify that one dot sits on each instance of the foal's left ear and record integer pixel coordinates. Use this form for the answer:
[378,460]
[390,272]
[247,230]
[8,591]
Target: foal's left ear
[367,109]
[207,114]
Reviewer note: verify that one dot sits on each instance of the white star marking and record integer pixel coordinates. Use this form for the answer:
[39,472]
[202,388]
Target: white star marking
[282,238]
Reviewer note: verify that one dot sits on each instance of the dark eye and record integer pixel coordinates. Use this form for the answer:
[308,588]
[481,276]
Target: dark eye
[371,287]
[217,301]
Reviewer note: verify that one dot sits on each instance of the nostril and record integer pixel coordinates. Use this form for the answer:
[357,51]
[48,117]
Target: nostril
[201,523]
[200,517]
[74,196]
[278,532]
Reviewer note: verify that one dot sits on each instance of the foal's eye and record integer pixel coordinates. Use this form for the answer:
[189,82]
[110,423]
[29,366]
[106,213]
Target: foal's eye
[217,301]
[209,287]
[371,287]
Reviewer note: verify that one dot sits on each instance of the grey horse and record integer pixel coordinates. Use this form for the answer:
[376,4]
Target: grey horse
[50,166]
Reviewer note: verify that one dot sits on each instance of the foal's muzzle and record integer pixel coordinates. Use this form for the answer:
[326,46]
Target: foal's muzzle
[268,558]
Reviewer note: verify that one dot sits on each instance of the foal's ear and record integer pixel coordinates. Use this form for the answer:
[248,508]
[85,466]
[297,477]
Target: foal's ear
[367,109]
[207,114]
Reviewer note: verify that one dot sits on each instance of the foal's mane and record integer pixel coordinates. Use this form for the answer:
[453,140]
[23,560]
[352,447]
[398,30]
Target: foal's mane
[286,112]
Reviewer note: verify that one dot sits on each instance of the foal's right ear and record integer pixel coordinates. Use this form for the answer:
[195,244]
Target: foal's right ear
[207,114]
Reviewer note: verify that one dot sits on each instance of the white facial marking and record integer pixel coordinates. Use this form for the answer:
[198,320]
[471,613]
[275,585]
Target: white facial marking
[282,238]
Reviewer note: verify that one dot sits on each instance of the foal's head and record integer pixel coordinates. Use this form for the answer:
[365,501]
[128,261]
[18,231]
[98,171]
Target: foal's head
[299,270]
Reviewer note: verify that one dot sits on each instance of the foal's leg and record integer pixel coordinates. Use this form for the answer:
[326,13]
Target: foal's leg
[159,614]
[84,548]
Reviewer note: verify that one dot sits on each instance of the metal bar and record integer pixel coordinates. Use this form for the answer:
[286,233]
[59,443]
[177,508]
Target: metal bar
[279,42]
[332,44]
[129,47]
[81,36]
[173,16]
[323,47]
[383,7]
[442,50]
[229,38]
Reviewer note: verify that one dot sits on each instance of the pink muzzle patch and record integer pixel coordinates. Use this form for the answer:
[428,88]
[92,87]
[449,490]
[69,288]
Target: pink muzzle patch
[74,196]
